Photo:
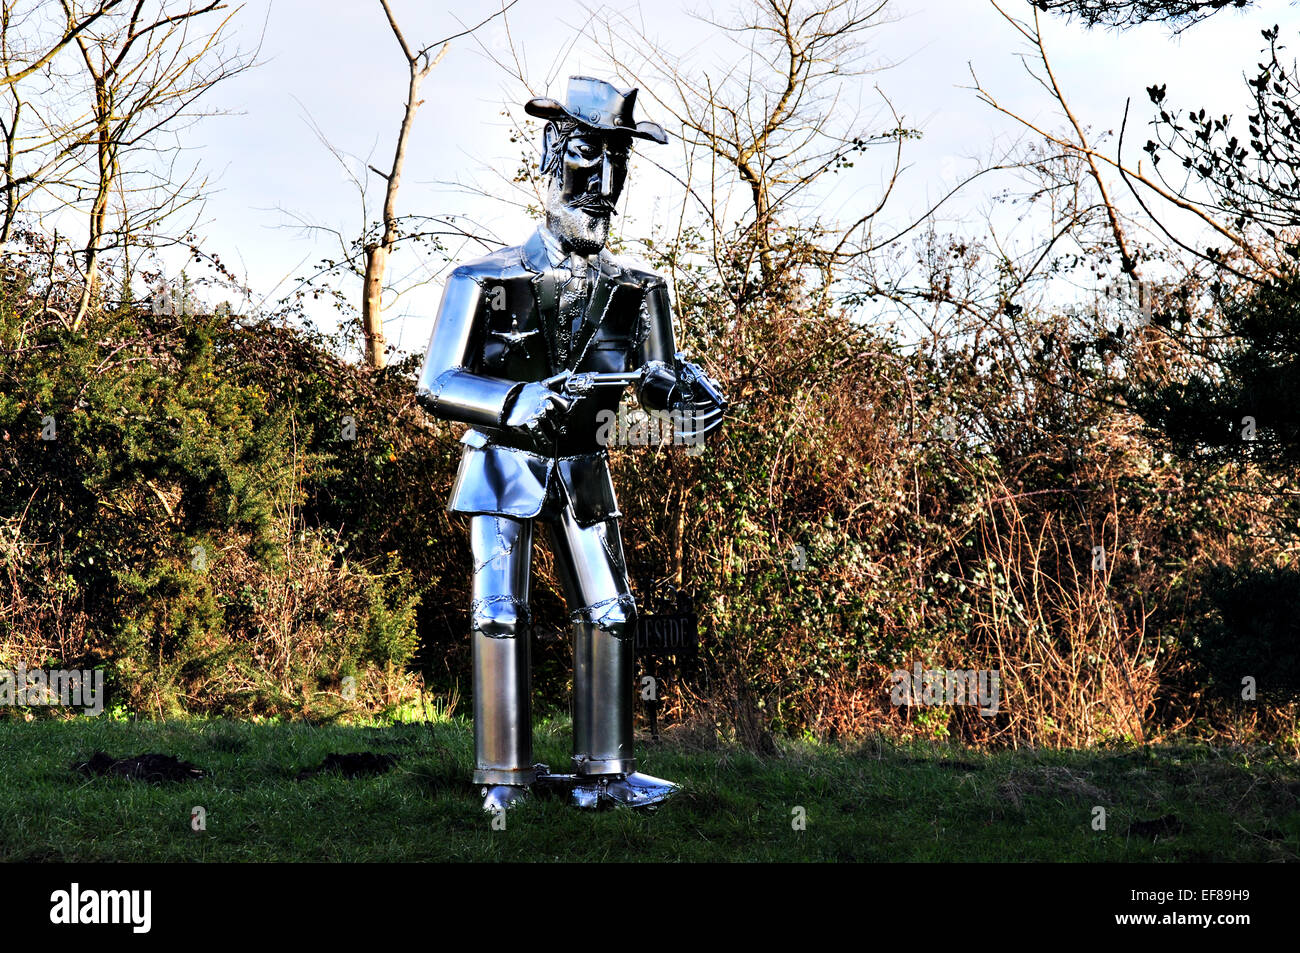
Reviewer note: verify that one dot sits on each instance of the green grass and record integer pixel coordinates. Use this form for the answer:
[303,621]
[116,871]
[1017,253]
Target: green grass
[875,802]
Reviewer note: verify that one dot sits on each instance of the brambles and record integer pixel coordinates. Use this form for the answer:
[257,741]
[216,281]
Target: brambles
[165,530]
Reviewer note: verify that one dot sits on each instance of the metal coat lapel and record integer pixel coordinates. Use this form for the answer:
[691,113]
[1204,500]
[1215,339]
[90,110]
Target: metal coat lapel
[546,294]
[607,279]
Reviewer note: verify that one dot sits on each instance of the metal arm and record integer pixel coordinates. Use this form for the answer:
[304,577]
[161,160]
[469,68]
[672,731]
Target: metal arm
[448,388]
[658,351]
[671,384]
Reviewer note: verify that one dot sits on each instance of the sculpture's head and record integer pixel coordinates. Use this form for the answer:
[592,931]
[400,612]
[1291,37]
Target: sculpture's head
[585,151]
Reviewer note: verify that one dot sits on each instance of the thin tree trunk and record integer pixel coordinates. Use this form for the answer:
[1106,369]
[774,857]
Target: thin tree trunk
[107,166]
[377,254]
[372,313]
[11,188]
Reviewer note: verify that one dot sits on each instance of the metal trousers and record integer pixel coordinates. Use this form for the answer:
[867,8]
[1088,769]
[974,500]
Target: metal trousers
[589,561]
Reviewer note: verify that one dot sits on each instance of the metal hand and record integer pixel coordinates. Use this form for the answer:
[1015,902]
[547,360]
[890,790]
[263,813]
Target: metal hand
[700,405]
[537,405]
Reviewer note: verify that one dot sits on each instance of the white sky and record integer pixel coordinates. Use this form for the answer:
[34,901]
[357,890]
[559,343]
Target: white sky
[337,63]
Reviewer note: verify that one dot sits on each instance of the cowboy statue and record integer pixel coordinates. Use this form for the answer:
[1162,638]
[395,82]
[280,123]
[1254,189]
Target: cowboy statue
[532,348]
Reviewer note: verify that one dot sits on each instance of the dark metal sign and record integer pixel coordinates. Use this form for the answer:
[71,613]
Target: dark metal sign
[668,626]
[667,634]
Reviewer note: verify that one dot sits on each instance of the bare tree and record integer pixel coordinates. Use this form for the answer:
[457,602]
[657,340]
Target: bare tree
[777,118]
[1145,188]
[77,24]
[41,130]
[379,249]
[1080,145]
[147,67]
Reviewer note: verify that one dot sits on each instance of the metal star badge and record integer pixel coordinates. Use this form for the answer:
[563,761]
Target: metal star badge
[514,338]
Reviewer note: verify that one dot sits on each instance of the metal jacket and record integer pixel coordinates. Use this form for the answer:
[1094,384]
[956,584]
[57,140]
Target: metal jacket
[498,327]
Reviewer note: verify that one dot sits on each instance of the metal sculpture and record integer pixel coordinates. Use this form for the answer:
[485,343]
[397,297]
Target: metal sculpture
[533,347]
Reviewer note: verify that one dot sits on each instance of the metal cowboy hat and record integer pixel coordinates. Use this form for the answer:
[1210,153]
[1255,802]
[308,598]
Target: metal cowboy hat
[597,104]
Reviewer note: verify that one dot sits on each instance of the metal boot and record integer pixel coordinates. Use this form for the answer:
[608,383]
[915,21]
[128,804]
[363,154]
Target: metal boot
[603,694]
[500,797]
[503,731]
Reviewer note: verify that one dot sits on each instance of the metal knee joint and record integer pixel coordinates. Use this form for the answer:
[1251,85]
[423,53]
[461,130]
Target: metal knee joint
[500,617]
[617,616]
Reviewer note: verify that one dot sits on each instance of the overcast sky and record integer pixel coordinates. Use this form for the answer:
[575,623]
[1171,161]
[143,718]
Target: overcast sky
[335,64]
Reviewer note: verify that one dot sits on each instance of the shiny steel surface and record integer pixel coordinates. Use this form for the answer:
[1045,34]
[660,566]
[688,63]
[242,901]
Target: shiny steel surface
[634,790]
[446,387]
[533,345]
[502,797]
[503,733]
[589,562]
[640,790]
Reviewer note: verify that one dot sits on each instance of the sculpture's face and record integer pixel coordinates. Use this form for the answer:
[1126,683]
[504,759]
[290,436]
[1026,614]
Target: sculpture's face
[584,187]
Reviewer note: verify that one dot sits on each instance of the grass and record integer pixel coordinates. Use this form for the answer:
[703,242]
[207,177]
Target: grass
[874,802]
